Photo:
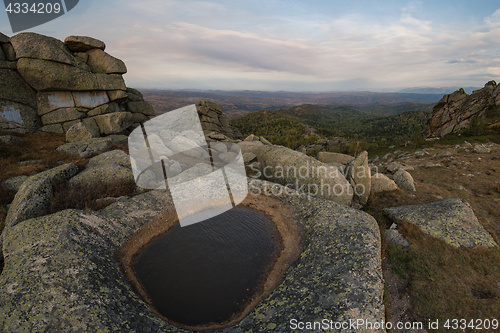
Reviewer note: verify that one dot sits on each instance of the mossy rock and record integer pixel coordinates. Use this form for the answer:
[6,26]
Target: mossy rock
[88,146]
[103,174]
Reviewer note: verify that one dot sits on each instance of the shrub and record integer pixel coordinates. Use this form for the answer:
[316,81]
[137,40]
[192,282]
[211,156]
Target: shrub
[85,197]
[477,127]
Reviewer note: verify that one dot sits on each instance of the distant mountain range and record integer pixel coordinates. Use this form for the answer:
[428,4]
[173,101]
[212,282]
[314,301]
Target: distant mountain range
[439,91]
[239,103]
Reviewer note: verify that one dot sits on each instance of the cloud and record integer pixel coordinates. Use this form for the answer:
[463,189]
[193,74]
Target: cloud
[421,25]
[412,6]
[230,49]
[493,21]
[166,43]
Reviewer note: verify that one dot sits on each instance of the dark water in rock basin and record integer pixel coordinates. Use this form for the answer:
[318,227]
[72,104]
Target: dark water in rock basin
[205,272]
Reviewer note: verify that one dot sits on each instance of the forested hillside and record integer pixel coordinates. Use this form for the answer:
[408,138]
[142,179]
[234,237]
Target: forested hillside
[287,126]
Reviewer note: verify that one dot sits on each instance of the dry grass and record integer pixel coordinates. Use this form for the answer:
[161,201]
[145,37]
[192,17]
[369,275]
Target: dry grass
[445,282]
[86,197]
[38,153]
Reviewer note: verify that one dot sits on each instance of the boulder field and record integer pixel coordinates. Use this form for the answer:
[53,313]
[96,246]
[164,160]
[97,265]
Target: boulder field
[62,271]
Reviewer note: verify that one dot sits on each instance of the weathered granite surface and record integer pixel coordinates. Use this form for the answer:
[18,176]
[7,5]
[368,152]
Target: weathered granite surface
[300,172]
[403,179]
[35,194]
[87,147]
[382,183]
[61,274]
[451,220]
[109,168]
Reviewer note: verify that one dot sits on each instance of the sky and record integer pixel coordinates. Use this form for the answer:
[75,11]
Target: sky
[293,45]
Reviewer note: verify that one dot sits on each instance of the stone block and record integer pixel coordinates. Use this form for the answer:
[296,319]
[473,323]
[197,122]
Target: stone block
[104,109]
[18,116]
[81,131]
[116,95]
[110,82]
[36,46]
[83,43]
[62,115]
[14,88]
[9,52]
[101,62]
[50,101]
[142,107]
[90,99]
[54,128]
[113,123]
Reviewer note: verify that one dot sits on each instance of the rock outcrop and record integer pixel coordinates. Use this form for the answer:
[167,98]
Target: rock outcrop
[359,175]
[323,145]
[50,85]
[61,273]
[215,124]
[331,158]
[455,111]
[451,220]
[296,170]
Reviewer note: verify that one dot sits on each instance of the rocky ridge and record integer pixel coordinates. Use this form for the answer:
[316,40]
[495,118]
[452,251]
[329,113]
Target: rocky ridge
[42,252]
[455,111]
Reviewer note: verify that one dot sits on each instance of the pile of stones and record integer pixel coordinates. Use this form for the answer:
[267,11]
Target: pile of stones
[50,86]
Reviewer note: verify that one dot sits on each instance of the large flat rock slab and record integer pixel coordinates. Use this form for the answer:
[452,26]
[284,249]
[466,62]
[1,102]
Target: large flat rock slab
[451,220]
[61,273]
[338,275]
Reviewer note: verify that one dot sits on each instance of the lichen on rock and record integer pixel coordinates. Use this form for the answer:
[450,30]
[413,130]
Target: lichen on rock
[451,220]
[61,273]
